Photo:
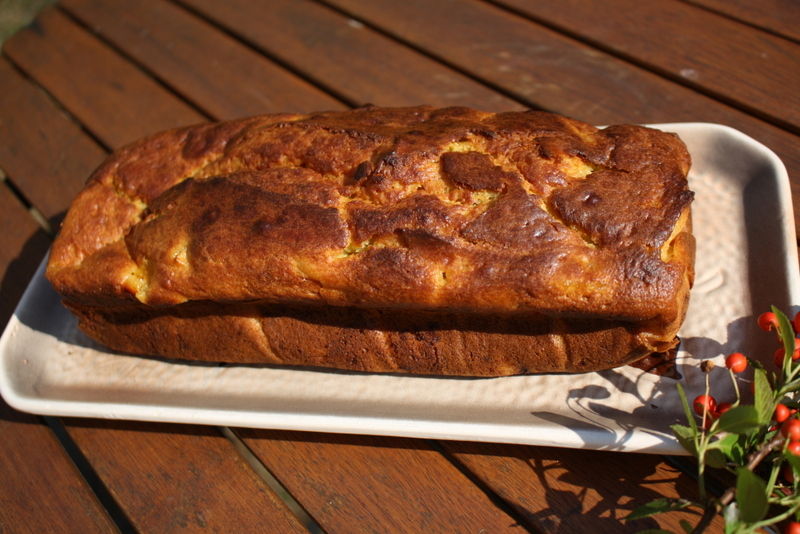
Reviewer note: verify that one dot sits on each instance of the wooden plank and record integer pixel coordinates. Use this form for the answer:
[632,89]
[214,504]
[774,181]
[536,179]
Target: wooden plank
[162,478]
[379,484]
[551,71]
[42,491]
[110,470]
[345,57]
[778,16]
[65,59]
[420,463]
[731,61]
[567,490]
[218,74]
[180,478]
[32,127]
[23,244]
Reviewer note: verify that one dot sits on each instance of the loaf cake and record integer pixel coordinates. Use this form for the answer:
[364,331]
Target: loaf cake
[440,241]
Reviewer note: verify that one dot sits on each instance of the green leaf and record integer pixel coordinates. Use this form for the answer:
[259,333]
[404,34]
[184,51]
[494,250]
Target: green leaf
[715,458]
[786,330]
[733,447]
[659,506]
[687,411]
[687,527]
[751,496]
[739,419]
[794,461]
[765,398]
[686,437]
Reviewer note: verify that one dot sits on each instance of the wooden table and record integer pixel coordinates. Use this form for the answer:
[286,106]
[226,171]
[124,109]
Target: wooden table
[90,75]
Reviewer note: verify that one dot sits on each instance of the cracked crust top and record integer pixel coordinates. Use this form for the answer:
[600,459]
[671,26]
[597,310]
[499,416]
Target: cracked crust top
[407,208]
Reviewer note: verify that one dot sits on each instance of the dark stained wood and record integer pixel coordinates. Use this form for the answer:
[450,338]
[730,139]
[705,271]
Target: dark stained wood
[171,478]
[23,244]
[189,478]
[378,484]
[539,66]
[567,490]
[67,60]
[215,72]
[551,71]
[41,490]
[186,477]
[753,69]
[347,58]
[778,16]
[43,152]
[111,469]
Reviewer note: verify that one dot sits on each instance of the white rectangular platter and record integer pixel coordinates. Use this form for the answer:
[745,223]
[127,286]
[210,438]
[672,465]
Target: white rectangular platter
[746,261]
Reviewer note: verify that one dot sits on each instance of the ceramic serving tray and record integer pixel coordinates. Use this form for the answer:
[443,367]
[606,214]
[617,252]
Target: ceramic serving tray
[746,261]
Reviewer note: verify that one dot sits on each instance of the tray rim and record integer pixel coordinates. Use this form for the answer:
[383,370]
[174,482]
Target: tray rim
[413,428]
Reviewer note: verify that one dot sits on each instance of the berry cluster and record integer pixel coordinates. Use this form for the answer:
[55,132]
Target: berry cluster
[758,443]
[706,405]
[784,415]
[769,321]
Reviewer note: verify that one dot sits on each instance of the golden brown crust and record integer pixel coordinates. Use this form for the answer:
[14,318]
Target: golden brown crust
[361,339]
[465,215]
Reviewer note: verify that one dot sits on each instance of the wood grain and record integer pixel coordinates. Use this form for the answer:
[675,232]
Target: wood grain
[218,74]
[379,484]
[185,478]
[41,491]
[567,490]
[198,473]
[346,58]
[779,16]
[170,477]
[67,60]
[43,152]
[551,71]
[752,69]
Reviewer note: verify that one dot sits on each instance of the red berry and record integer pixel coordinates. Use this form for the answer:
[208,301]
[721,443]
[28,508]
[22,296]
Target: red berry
[792,528]
[781,352]
[787,473]
[794,447]
[796,322]
[736,362]
[791,429]
[782,413]
[722,408]
[767,321]
[706,403]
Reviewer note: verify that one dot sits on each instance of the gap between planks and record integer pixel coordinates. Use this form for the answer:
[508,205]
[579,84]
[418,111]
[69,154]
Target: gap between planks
[261,470]
[88,473]
[34,212]
[143,68]
[653,67]
[262,52]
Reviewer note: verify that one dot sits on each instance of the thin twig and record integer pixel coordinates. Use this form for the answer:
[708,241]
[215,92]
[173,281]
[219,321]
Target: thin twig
[714,507]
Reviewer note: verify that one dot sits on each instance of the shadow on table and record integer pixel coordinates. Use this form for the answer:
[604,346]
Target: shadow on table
[19,272]
[589,407]
[562,491]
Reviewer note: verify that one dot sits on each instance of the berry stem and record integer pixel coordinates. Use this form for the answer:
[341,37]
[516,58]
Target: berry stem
[735,386]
